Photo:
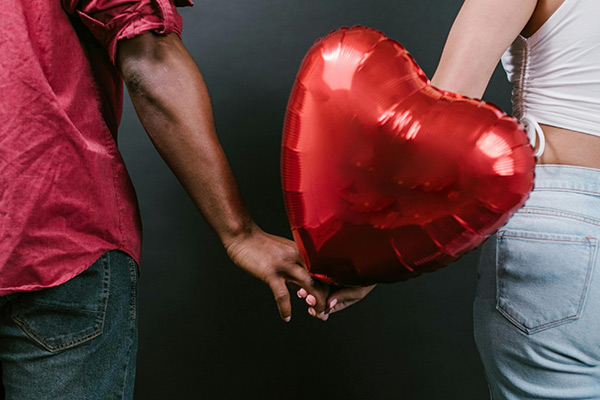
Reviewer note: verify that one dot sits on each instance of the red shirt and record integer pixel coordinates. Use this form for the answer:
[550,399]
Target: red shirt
[65,195]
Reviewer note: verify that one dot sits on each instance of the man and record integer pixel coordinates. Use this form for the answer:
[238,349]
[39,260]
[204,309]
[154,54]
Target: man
[70,232]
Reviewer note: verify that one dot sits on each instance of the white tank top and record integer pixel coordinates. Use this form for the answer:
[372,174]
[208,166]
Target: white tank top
[556,72]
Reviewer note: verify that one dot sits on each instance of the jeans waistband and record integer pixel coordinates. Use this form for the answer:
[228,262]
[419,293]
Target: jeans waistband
[569,177]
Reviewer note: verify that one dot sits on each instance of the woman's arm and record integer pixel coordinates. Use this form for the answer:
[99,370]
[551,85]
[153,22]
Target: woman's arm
[481,32]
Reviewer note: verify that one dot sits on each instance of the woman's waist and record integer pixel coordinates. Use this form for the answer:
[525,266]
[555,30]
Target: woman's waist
[568,147]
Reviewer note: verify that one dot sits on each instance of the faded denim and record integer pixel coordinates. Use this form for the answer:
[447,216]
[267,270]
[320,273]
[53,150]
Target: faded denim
[537,307]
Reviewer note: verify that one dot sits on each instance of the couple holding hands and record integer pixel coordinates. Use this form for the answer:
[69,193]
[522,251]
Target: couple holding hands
[71,233]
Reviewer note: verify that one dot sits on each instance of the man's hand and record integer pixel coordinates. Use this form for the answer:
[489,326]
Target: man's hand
[275,261]
[338,299]
[172,102]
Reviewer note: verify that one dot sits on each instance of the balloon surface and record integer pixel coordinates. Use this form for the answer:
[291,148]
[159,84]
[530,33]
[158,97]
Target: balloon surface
[386,177]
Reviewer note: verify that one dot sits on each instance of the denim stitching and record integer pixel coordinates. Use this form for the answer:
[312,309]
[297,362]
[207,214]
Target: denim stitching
[100,320]
[105,288]
[133,276]
[591,264]
[559,214]
[552,324]
[554,189]
[54,306]
[43,342]
[518,237]
[593,247]
[124,375]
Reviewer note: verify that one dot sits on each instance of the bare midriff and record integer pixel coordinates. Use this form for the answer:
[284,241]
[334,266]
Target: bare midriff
[568,147]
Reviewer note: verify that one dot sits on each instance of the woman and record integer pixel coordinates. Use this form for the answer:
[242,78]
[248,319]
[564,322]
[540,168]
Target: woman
[537,307]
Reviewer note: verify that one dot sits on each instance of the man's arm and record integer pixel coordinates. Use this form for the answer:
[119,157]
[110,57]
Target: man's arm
[173,104]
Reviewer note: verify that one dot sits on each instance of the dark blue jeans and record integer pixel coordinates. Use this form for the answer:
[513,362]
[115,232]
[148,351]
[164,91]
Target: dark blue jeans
[74,341]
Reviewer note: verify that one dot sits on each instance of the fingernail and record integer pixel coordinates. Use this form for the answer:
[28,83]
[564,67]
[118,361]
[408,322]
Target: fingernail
[326,317]
[288,319]
[332,303]
[312,311]
[299,294]
[302,293]
[322,314]
[311,300]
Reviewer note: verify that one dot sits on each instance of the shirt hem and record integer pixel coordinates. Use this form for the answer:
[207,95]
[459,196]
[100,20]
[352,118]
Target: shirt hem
[89,261]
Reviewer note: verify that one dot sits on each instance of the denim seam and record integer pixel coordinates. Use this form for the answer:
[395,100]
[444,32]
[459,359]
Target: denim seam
[133,276]
[71,343]
[105,288]
[555,189]
[518,237]
[593,247]
[126,367]
[516,234]
[54,306]
[62,346]
[558,213]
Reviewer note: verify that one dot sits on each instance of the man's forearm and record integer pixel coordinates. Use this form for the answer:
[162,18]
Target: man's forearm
[171,99]
[172,102]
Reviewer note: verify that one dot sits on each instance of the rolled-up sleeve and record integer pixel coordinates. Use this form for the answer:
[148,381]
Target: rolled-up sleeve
[113,20]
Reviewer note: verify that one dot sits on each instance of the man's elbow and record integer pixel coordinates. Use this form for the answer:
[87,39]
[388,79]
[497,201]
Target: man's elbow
[143,59]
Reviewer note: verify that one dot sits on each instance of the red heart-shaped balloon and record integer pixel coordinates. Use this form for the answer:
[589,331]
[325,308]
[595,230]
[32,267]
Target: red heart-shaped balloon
[385,176]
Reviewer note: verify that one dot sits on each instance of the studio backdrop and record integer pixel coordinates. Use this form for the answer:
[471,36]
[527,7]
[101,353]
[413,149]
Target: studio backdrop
[209,331]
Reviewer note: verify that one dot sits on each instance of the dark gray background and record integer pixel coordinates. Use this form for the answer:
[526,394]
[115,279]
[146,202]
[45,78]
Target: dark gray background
[209,331]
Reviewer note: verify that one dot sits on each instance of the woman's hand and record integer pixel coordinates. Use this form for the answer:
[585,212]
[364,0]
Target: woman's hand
[339,299]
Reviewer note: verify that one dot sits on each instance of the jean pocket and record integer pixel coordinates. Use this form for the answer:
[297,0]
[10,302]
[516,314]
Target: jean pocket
[64,316]
[542,279]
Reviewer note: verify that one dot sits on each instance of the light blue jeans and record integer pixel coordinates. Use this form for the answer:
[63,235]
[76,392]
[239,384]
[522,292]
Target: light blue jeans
[537,307]
[75,341]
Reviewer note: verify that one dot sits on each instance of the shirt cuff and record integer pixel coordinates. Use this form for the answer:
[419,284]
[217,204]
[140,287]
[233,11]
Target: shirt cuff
[113,20]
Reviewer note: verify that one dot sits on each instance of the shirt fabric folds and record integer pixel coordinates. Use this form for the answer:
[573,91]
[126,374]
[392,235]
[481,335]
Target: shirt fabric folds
[65,195]
[556,72]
